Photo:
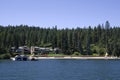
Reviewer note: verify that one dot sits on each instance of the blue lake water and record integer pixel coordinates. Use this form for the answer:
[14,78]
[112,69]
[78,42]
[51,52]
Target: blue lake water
[60,70]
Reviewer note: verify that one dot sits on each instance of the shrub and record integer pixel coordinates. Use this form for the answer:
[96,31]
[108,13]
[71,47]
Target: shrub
[76,53]
[101,51]
[5,56]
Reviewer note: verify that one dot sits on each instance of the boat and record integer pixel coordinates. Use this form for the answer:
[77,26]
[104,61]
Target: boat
[32,58]
[23,58]
[20,58]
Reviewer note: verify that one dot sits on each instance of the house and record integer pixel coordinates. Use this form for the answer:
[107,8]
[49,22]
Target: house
[23,49]
[12,50]
[39,50]
[34,50]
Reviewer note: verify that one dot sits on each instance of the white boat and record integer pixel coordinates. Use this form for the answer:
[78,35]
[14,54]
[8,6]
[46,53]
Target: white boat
[20,58]
[23,58]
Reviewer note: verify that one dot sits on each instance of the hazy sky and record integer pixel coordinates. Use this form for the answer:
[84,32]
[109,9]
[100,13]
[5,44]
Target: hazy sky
[63,13]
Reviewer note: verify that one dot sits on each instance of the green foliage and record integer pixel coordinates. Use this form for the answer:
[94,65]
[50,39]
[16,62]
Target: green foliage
[76,54]
[96,50]
[94,54]
[101,51]
[103,38]
[52,54]
[5,56]
[2,51]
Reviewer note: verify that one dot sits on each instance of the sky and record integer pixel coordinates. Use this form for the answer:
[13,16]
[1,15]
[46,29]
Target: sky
[63,13]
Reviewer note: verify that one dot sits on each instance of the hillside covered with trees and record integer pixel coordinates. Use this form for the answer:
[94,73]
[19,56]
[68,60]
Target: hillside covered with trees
[87,41]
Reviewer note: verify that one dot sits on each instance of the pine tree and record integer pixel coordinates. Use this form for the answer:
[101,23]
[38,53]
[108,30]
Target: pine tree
[88,42]
[107,26]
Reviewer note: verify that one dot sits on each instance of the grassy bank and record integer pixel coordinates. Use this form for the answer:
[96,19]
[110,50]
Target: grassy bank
[74,54]
[5,56]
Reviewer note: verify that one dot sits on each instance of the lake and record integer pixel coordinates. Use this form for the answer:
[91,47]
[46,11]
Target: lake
[60,70]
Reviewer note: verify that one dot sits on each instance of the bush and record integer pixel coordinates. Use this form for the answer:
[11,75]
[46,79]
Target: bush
[101,51]
[2,50]
[5,56]
[95,54]
[76,53]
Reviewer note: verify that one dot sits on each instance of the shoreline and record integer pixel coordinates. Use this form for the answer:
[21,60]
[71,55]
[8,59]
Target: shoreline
[35,58]
[69,57]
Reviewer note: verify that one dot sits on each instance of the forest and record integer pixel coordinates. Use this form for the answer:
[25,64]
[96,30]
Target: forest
[91,40]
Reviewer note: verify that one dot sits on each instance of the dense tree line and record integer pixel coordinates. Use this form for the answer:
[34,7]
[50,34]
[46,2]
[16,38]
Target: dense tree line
[87,41]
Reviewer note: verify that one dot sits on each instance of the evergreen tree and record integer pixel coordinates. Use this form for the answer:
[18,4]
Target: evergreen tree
[107,26]
[88,42]
[68,40]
